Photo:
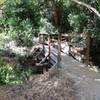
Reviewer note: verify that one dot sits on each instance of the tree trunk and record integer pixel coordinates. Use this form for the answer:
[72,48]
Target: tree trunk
[56,13]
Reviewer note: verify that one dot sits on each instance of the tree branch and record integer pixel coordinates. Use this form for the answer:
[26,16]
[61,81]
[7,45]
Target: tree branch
[2,4]
[87,6]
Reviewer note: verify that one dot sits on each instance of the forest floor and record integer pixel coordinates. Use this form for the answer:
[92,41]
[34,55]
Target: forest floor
[52,85]
[73,81]
[86,80]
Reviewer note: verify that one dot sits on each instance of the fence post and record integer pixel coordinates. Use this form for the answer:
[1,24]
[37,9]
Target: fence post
[49,44]
[88,39]
[69,44]
[59,50]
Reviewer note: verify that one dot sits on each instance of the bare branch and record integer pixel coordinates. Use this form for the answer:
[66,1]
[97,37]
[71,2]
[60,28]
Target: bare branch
[87,6]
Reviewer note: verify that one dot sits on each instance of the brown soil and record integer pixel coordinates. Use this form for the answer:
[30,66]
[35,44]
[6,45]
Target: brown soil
[51,85]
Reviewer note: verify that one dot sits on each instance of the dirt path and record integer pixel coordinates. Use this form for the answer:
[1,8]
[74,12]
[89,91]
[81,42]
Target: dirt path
[52,85]
[86,80]
[74,81]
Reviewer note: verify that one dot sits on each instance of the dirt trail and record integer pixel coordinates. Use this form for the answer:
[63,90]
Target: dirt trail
[74,81]
[86,80]
[52,85]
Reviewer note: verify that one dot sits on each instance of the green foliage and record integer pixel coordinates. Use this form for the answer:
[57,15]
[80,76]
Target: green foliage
[23,33]
[12,74]
[21,20]
[78,22]
[46,26]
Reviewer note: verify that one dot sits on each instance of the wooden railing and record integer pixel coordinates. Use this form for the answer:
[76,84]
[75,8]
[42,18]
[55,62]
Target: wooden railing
[53,54]
[80,52]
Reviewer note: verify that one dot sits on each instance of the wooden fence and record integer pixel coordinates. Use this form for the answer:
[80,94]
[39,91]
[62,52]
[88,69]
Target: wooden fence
[78,46]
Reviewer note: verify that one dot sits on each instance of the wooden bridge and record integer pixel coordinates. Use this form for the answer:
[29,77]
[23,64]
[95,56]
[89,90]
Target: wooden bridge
[87,82]
[57,43]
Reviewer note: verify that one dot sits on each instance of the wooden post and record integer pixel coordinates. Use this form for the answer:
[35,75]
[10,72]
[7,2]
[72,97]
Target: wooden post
[88,38]
[69,44]
[43,45]
[39,38]
[41,41]
[49,44]
[59,49]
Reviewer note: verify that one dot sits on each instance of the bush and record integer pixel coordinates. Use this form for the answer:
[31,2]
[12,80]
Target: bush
[12,74]
[23,33]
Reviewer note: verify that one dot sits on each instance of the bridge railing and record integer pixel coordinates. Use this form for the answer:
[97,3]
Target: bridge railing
[78,46]
[53,54]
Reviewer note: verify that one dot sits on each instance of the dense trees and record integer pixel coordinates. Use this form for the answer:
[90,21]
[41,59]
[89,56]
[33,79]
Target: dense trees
[67,14]
[22,19]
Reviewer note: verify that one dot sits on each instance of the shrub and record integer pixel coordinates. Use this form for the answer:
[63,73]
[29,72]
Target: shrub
[12,74]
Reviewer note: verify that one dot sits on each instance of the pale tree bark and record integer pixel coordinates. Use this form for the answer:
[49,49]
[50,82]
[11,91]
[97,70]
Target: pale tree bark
[87,6]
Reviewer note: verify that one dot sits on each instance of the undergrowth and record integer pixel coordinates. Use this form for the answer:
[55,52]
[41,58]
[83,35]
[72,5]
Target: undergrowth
[13,73]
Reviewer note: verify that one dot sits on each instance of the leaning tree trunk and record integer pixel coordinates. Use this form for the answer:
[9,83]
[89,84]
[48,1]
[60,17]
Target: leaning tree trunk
[87,6]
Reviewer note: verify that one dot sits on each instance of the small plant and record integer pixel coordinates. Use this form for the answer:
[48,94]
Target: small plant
[12,74]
